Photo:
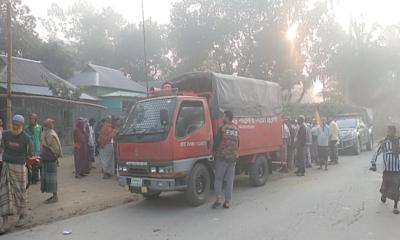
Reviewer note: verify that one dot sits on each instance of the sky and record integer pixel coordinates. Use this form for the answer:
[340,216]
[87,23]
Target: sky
[384,12]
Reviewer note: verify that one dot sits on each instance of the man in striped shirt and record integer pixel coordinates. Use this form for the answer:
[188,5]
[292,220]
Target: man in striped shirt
[389,148]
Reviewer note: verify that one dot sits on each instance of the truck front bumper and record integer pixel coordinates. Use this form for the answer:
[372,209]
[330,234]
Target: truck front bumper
[145,184]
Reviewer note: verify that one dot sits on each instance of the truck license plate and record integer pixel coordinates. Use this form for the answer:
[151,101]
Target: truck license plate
[136,182]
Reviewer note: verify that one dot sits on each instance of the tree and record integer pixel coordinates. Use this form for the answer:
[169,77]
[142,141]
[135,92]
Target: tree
[247,37]
[129,51]
[25,38]
[360,64]
[58,57]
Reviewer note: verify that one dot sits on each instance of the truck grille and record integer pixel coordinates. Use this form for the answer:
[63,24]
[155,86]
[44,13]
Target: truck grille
[138,171]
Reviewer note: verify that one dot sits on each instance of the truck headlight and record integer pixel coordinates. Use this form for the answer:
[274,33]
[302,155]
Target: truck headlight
[153,170]
[122,168]
[165,170]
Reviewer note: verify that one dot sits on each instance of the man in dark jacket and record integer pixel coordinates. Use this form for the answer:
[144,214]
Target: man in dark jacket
[301,142]
[226,147]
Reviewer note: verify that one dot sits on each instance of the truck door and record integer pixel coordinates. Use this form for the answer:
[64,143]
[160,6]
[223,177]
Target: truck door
[193,132]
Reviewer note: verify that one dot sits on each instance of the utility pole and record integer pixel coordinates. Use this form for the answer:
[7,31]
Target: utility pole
[9,65]
[145,51]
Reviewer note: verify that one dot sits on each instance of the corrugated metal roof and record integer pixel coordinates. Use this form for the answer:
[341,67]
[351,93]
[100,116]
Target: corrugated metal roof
[31,77]
[94,75]
[40,90]
[124,94]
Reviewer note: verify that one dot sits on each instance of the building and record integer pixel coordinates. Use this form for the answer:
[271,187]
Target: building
[115,91]
[31,93]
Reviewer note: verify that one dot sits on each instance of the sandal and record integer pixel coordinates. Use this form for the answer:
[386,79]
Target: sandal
[51,200]
[216,205]
[396,211]
[226,205]
[21,221]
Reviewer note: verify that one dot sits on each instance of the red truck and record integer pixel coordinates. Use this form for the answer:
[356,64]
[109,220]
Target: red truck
[167,140]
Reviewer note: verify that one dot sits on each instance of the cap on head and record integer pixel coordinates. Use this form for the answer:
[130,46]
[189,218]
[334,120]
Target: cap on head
[49,123]
[18,119]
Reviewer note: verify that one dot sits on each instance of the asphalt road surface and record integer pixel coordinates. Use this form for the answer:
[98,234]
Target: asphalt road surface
[342,203]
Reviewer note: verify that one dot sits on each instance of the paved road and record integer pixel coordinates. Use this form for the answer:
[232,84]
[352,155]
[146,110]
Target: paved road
[342,203]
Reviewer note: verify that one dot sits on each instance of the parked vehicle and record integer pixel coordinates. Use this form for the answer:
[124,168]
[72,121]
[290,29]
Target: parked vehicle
[166,143]
[354,134]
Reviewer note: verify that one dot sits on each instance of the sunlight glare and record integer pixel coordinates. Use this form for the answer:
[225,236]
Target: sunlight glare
[291,34]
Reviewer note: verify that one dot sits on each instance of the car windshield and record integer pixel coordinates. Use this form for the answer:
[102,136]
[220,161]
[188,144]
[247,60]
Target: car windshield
[145,116]
[347,123]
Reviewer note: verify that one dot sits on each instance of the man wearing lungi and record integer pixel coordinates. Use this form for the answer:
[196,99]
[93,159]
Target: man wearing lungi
[17,147]
[389,148]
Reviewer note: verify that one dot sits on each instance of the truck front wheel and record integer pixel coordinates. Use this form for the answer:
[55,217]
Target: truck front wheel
[151,195]
[259,171]
[198,185]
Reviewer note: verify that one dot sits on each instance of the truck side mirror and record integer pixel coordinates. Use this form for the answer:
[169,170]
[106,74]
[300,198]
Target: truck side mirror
[164,118]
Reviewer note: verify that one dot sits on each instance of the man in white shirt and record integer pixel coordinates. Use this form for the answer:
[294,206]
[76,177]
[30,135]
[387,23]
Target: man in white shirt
[323,144]
[91,142]
[333,141]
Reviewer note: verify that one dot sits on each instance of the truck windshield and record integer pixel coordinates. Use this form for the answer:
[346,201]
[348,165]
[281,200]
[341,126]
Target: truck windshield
[347,123]
[145,117]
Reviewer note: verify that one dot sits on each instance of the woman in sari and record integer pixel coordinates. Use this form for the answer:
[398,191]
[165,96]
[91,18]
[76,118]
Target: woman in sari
[17,147]
[81,159]
[51,151]
[106,152]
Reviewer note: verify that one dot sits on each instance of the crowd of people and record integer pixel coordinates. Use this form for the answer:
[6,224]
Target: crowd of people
[31,153]
[306,143]
[310,142]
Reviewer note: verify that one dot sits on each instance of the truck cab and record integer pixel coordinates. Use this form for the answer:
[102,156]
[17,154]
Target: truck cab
[162,139]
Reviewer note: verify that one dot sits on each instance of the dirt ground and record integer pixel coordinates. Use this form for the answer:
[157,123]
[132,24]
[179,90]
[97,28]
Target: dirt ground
[85,195]
[76,196]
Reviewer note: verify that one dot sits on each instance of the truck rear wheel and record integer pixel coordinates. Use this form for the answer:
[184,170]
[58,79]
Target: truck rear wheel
[198,185]
[259,171]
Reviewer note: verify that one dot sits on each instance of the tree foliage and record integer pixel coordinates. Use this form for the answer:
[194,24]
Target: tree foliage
[244,37]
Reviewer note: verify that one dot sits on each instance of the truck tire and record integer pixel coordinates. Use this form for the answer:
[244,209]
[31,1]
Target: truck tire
[356,149]
[198,188]
[259,171]
[370,143]
[151,195]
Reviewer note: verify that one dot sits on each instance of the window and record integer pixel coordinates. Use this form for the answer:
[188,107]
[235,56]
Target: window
[145,117]
[190,118]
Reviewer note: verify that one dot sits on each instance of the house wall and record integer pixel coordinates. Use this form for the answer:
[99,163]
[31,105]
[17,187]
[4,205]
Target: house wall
[65,114]
[97,91]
